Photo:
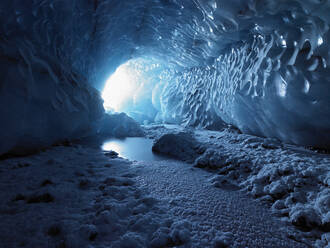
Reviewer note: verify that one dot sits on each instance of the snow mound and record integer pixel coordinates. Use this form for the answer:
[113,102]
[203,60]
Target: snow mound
[120,125]
[212,159]
[180,145]
[295,186]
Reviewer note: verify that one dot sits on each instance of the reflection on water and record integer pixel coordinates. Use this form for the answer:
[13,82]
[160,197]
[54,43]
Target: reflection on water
[136,148]
[112,145]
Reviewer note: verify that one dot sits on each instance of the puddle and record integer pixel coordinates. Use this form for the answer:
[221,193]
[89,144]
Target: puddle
[135,148]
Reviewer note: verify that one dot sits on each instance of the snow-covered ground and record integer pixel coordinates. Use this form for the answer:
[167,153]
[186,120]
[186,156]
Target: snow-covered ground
[212,217]
[76,197]
[248,196]
[293,181]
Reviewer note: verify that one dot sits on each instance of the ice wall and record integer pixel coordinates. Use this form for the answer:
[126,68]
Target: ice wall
[42,103]
[270,75]
[44,94]
[260,65]
[263,88]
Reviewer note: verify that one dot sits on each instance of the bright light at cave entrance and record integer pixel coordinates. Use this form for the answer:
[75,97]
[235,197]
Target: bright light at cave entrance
[119,88]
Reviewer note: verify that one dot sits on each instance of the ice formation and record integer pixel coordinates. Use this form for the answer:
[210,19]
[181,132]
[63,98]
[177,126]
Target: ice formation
[119,125]
[259,65]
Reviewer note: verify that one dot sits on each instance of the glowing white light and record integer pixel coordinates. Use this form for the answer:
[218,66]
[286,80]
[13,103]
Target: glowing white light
[320,41]
[119,88]
[283,41]
[112,145]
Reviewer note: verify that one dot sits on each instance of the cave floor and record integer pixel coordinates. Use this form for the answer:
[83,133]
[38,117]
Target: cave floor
[80,196]
[211,214]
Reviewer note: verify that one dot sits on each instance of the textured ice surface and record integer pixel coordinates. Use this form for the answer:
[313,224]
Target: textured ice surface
[44,94]
[293,181]
[254,87]
[260,65]
[42,103]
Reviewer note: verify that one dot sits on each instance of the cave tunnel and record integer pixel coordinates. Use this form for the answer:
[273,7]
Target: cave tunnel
[240,89]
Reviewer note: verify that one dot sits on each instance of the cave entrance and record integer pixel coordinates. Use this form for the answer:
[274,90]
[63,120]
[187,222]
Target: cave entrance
[131,89]
[120,88]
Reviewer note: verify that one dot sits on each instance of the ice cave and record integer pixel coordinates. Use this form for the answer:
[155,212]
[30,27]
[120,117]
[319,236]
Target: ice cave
[164,123]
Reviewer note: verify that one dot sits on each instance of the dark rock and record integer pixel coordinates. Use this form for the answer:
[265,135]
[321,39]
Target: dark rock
[54,230]
[181,146]
[46,182]
[84,183]
[92,236]
[111,154]
[19,197]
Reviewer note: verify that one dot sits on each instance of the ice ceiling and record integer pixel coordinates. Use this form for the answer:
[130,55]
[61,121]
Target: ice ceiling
[261,65]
